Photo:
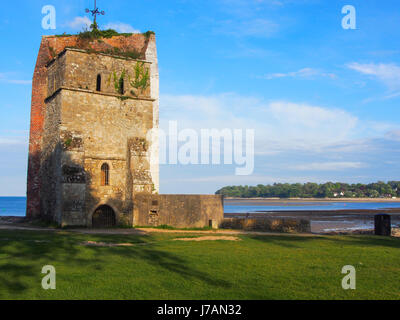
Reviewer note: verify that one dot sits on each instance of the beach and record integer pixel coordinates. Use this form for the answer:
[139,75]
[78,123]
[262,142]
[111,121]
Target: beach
[325,215]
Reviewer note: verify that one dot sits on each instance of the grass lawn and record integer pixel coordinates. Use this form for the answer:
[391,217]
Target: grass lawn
[157,267]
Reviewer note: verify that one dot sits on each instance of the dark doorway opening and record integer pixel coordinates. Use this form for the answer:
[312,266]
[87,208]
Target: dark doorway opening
[103,217]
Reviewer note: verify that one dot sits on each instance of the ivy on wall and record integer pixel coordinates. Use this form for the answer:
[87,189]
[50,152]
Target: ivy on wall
[141,80]
[118,81]
[139,83]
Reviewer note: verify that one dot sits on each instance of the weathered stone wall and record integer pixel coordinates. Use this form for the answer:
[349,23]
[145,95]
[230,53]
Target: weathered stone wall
[103,129]
[84,129]
[50,164]
[79,69]
[50,47]
[56,75]
[75,129]
[151,56]
[268,225]
[180,211]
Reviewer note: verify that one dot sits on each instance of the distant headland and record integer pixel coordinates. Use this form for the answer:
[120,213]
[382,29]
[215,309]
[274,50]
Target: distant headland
[309,190]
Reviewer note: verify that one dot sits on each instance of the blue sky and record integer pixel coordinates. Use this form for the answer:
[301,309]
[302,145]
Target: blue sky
[323,101]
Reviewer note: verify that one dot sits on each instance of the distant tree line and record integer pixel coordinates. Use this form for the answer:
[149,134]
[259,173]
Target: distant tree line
[313,190]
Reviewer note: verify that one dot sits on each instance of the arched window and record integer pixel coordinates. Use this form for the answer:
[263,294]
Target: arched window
[105,174]
[98,83]
[121,86]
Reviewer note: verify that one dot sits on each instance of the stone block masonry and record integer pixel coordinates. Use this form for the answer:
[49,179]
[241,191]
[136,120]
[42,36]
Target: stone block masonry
[91,160]
[179,211]
[268,225]
[43,86]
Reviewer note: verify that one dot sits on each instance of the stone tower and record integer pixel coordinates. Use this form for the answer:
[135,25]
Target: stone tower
[94,102]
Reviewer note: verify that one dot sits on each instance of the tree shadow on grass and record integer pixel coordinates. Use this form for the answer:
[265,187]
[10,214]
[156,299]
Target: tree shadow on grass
[169,262]
[143,249]
[295,241]
[11,277]
[287,241]
[175,264]
[60,172]
[366,241]
[23,249]
[63,188]
[26,252]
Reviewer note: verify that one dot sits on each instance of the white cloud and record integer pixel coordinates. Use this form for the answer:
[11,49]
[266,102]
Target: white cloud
[13,141]
[288,135]
[312,122]
[389,74]
[121,27]
[244,51]
[392,95]
[247,8]
[328,166]
[279,125]
[260,28]
[241,180]
[393,135]
[79,23]
[14,81]
[251,3]
[302,73]
[8,78]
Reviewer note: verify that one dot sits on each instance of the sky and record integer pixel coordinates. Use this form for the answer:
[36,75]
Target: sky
[323,101]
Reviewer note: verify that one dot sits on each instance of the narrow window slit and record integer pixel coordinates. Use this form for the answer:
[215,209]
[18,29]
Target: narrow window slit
[98,83]
[105,172]
[121,86]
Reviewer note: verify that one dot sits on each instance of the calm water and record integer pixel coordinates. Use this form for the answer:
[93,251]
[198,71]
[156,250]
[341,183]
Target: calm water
[16,206]
[304,206]
[12,206]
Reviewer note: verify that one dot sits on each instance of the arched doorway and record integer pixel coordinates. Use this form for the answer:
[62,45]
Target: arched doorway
[103,217]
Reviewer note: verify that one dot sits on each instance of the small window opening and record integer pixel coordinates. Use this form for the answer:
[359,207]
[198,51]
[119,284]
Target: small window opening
[121,86]
[98,83]
[105,171]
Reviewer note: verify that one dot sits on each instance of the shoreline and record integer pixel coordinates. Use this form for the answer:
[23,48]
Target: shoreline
[313,199]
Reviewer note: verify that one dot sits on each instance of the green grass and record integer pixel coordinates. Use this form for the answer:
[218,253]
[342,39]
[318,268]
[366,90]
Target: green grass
[168,227]
[156,267]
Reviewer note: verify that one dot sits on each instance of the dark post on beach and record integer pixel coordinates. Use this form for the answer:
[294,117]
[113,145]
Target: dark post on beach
[382,225]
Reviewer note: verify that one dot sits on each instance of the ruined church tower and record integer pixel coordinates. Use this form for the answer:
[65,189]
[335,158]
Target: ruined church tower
[94,102]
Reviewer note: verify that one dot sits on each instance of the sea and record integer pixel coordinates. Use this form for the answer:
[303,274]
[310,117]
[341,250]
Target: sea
[13,206]
[16,206]
[238,207]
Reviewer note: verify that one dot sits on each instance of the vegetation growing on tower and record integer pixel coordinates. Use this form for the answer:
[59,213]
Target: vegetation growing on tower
[139,83]
[141,80]
[86,37]
[96,33]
